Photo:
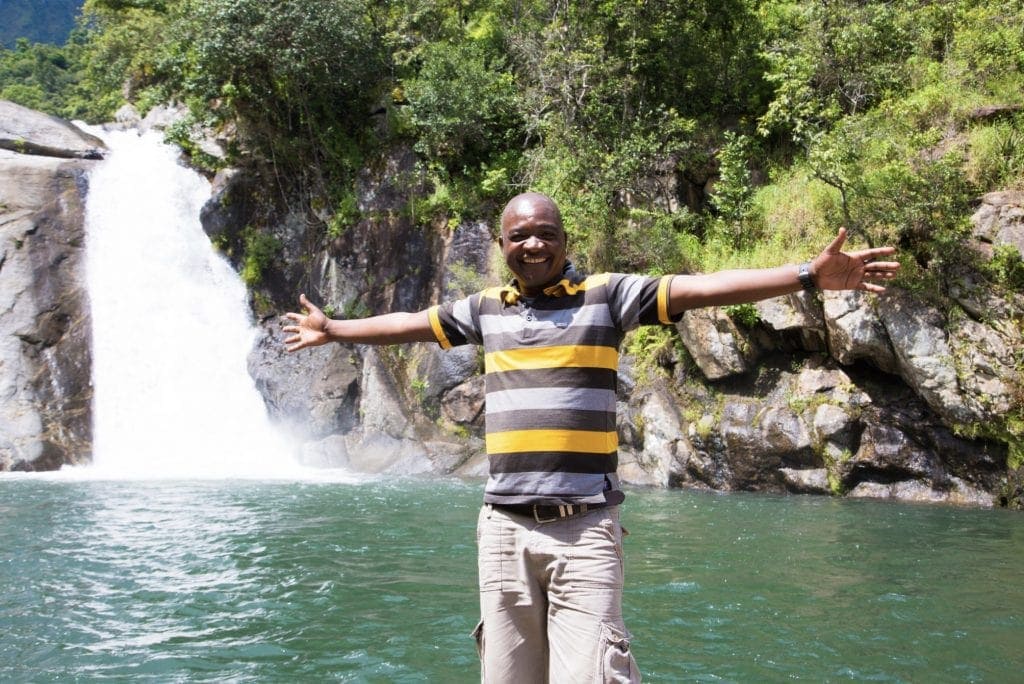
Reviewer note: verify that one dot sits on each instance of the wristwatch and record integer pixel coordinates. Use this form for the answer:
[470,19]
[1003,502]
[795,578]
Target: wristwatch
[804,274]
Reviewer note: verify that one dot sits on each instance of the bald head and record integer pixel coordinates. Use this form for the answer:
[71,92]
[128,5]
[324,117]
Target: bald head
[530,202]
[533,241]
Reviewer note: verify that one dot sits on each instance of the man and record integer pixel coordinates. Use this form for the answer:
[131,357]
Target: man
[550,543]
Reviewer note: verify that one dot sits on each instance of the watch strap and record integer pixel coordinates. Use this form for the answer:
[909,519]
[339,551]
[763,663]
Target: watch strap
[804,274]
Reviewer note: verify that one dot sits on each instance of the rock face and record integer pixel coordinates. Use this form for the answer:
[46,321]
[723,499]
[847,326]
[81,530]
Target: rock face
[829,393]
[408,409]
[1000,219]
[45,386]
[26,131]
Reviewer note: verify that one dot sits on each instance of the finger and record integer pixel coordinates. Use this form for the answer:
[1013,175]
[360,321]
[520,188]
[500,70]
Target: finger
[884,265]
[294,317]
[881,269]
[836,245]
[306,304]
[871,287]
[879,275]
[295,343]
[874,253]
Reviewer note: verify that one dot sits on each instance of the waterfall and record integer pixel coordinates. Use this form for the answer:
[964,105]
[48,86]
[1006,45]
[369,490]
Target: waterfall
[171,328]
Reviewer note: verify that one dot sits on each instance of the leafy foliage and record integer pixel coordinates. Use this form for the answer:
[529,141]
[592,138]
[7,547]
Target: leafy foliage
[48,22]
[669,132]
[36,75]
[676,136]
[463,104]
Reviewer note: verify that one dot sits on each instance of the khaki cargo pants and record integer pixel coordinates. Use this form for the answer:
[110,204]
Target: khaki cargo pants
[551,599]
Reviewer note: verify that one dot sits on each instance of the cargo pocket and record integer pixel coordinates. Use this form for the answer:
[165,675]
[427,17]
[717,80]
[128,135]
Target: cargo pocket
[616,663]
[478,637]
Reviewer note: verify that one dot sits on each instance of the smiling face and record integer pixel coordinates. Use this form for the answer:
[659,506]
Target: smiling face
[533,241]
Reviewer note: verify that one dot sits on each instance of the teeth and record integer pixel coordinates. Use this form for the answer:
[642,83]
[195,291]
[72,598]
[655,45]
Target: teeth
[534,260]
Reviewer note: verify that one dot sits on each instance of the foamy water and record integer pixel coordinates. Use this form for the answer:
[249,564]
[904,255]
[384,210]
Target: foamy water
[171,328]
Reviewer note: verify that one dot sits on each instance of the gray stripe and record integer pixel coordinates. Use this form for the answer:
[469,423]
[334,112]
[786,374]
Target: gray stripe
[587,315]
[546,484]
[628,292]
[552,399]
[462,313]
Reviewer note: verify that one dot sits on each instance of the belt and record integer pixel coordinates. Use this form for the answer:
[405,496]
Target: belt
[545,513]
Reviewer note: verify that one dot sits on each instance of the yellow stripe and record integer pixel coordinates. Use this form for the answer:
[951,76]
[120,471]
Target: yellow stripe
[566,287]
[435,324]
[580,441]
[568,356]
[663,289]
[493,293]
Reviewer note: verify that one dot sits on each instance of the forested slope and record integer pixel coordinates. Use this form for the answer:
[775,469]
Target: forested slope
[38,21]
[889,117]
[676,136]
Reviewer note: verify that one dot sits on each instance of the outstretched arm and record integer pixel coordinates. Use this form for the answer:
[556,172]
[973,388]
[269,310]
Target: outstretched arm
[833,269]
[313,328]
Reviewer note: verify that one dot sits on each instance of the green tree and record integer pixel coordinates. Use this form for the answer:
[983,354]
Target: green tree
[36,75]
[299,77]
[464,104]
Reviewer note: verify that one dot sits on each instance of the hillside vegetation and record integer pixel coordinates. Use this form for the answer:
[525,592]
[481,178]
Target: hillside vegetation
[676,135]
[778,119]
[41,21]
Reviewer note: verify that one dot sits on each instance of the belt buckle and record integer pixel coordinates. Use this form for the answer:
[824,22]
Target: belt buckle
[564,511]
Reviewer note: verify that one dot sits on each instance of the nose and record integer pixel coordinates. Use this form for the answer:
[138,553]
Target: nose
[533,242]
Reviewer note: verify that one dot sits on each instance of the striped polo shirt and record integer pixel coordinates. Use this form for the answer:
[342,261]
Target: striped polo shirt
[551,366]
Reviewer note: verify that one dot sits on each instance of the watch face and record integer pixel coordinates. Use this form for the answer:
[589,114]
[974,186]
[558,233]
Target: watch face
[804,274]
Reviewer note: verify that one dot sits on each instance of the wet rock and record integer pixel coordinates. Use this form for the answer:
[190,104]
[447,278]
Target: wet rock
[26,131]
[464,404]
[718,346]
[999,220]
[855,331]
[805,481]
[45,337]
[313,394]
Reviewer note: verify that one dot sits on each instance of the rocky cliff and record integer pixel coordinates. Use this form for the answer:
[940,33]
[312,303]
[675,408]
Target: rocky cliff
[830,393]
[45,386]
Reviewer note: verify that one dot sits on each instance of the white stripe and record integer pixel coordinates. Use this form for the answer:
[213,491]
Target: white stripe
[588,315]
[628,291]
[546,484]
[551,399]
[462,313]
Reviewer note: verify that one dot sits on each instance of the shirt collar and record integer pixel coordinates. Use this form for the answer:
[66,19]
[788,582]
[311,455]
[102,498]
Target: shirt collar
[569,284]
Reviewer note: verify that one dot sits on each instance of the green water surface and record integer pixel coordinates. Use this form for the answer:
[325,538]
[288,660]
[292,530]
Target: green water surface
[325,581]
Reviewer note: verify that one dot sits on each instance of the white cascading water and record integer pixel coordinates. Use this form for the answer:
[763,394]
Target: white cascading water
[171,328]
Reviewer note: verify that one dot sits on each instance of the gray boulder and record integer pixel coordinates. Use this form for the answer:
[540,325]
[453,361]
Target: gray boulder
[27,131]
[45,339]
[999,219]
[719,347]
[855,331]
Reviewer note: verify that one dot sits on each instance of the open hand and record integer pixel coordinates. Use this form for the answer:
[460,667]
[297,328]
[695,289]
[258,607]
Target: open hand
[835,269]
[310,329]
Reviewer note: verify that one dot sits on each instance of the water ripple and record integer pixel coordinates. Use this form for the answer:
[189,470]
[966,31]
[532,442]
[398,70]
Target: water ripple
[254,581]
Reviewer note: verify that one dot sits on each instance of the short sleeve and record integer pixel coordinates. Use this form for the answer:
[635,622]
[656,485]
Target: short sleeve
[640,300]
[456,323]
